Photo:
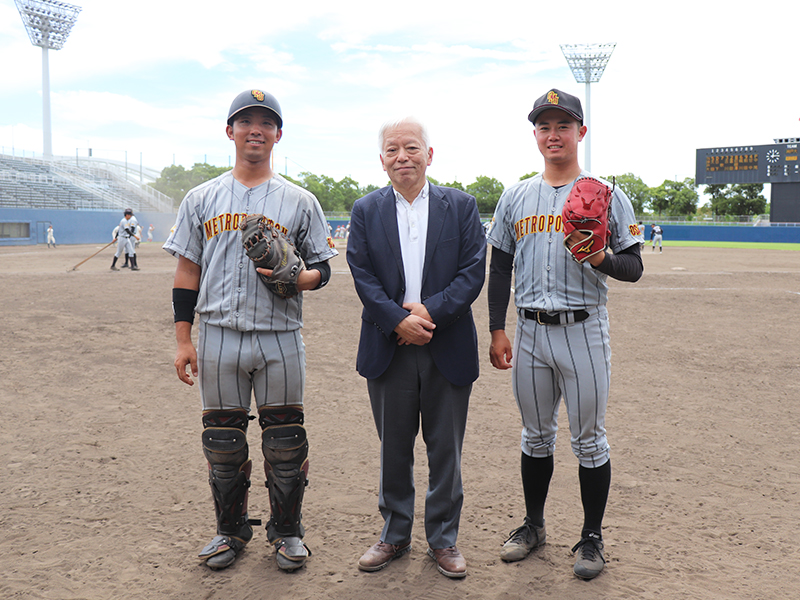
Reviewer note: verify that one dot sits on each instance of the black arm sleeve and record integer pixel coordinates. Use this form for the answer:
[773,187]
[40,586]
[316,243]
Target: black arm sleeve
[501,267]
[625,265]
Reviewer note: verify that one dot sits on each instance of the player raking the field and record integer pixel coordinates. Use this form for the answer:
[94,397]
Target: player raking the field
[561,233]
[249,340]
[126,236]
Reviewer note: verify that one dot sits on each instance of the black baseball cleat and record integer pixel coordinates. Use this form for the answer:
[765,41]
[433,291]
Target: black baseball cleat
[590,560]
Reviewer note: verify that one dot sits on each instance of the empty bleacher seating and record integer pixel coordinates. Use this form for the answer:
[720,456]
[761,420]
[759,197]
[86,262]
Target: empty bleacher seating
[61,184]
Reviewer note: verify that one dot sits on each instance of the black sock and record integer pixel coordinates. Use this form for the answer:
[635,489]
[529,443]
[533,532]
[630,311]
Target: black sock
[114,262]
[595,484]
[536,475]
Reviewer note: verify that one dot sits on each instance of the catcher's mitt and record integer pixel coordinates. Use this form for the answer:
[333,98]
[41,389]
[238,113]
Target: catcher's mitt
[587,211]
[268,248]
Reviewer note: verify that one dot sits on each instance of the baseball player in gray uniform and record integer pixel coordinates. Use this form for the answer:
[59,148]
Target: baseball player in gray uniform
[561,344]
[125,236]
[249,340]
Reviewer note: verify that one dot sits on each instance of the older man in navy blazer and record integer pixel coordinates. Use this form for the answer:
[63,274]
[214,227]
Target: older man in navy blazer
[417,253]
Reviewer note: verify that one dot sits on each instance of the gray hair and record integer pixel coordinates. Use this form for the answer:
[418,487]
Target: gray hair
[389,125]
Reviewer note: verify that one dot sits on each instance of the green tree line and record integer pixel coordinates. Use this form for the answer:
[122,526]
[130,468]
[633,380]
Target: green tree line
[671,198]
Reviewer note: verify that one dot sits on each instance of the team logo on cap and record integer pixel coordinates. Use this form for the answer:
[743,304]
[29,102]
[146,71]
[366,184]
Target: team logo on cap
[258,95]
[552,97]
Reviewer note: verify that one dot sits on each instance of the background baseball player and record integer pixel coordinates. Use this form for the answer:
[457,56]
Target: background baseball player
[51,238]
[126,235]
[561,345]
[249,341]
[640,236]
[656,236]
[115,238]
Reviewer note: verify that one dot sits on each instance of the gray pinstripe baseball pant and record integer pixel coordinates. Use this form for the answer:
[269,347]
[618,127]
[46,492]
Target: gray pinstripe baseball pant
[234,366]
[573,361]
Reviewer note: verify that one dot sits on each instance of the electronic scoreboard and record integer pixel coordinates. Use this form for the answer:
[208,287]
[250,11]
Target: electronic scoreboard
[774,163]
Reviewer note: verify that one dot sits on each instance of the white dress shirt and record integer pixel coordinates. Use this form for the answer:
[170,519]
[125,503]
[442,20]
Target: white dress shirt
[412,225]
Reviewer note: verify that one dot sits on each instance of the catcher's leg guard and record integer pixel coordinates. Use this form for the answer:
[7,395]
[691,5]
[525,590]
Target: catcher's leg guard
[285,447]
[225,447]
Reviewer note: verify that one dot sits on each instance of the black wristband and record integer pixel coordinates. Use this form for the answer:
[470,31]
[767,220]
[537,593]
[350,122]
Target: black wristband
[324,270]
[183,303]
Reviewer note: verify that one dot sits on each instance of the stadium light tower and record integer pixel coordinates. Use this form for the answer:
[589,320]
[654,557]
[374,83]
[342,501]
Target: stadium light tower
[587,61]
[48,23]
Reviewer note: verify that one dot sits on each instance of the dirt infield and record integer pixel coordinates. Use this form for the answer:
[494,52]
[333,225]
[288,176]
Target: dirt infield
[104,491]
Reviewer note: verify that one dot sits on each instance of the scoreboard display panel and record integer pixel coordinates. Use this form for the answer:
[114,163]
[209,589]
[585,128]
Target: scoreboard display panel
[773,163]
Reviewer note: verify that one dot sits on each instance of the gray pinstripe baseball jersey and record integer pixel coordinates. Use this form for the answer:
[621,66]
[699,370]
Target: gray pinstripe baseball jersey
[527,224]
[573,359]
[206,232]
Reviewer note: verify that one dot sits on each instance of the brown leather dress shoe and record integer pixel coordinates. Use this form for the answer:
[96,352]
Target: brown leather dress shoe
[381,554]
[449,561]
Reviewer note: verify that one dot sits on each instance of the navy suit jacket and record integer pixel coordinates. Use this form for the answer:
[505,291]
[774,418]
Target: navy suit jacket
[452,277]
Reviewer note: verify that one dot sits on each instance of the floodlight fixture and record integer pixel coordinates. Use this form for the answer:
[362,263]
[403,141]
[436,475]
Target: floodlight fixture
[48,23]
[587,62]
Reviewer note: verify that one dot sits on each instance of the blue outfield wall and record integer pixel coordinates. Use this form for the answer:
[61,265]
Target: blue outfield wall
[707,233]
[729,233]
[95,226]
[80,226]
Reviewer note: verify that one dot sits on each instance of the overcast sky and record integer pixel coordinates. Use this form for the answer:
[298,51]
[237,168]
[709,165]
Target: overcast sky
[156,78]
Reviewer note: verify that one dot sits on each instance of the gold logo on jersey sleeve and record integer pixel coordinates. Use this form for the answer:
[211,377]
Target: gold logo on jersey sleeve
[634,229]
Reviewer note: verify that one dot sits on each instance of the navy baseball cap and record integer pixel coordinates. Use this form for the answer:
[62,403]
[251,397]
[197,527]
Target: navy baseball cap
[250,98]
[560,100]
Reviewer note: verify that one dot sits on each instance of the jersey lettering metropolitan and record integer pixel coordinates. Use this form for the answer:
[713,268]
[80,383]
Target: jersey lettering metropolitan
[230,222]
[537,224]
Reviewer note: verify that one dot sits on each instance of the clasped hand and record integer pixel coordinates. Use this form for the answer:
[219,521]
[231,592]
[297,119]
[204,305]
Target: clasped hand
[417,328]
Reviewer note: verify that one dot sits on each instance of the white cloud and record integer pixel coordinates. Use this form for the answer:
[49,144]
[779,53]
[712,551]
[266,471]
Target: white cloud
[158,79]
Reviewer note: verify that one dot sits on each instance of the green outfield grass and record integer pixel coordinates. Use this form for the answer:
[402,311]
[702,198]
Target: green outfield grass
[748,245]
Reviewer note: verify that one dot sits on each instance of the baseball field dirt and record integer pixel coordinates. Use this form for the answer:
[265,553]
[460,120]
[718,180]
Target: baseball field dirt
[104,491]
